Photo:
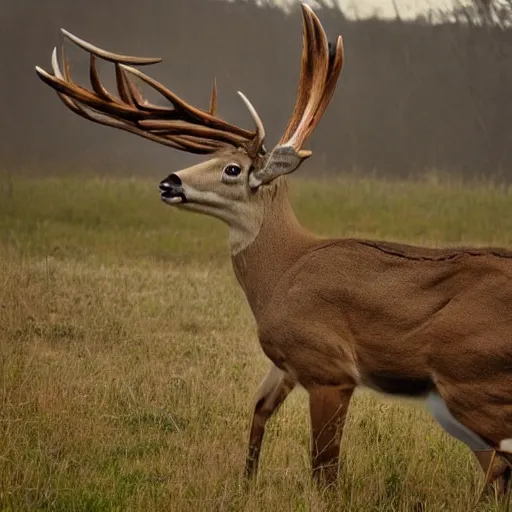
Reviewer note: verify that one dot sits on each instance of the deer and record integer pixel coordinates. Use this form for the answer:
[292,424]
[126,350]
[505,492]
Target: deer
[332,314]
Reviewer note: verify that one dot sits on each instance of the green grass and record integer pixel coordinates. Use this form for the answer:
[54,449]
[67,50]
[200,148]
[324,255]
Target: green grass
[128,356]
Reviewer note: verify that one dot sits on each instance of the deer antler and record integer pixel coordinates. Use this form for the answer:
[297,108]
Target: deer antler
[320,69]
[181,126]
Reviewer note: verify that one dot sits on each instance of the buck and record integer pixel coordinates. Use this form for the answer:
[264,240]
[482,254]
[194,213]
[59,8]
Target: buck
[332,314]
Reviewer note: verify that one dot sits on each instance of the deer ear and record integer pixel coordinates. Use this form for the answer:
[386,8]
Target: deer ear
[282,160]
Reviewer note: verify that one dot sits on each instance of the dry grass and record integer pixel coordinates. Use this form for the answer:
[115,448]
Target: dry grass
[128,355]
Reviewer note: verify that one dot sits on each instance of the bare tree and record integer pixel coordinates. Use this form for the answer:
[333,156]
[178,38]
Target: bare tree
[482,13]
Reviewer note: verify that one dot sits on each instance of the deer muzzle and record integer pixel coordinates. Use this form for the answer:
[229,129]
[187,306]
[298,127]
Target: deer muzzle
[171,190]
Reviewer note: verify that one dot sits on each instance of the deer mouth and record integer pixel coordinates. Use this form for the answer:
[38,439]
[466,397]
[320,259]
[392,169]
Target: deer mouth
[171,192]
[171,197]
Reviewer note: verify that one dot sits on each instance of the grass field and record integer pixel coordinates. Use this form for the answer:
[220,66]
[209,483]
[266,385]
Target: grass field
[128,356]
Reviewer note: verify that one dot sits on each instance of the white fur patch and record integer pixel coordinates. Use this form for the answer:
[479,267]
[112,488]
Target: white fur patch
[270,382]
[506,445]
[454,427]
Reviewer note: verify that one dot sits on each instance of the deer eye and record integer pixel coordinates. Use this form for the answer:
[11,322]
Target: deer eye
[232,170]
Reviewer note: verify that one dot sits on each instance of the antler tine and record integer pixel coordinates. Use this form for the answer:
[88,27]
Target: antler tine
[305,77]
[258,140]
[336,58]
[122,88]
[94,77]
[213,99]
[55,66]
[184,127]
[320,48]
[110,56]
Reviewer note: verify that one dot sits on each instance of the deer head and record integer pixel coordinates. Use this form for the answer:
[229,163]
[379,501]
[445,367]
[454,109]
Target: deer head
[231,184]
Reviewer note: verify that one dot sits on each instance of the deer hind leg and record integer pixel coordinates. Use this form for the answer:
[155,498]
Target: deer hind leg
[482,409]
[496,469]
[497,472]
[505,482]
[273,390]
[328,410]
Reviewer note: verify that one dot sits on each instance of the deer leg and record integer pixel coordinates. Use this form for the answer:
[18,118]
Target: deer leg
[497,473]
[276,386]
[479,412]
[496,469]
[328,409]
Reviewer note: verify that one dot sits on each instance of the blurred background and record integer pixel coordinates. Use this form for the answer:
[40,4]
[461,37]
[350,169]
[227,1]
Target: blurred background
[426,85]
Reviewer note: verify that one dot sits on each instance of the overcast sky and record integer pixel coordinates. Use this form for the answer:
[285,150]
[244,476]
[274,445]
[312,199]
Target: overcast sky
[384,8]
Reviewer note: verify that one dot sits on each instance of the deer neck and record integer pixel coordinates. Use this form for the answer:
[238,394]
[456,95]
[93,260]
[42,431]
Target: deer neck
[278,244]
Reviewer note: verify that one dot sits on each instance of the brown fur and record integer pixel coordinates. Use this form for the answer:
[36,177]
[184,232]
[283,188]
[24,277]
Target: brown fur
[332,314]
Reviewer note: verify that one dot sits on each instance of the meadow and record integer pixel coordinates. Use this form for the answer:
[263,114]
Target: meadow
[129,357]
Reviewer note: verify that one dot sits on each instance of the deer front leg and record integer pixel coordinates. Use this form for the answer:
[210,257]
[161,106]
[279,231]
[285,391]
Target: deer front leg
[328,409]
[271,394]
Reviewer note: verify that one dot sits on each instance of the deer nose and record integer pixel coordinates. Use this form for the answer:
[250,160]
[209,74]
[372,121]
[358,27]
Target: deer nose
[171,184]
[171,189]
